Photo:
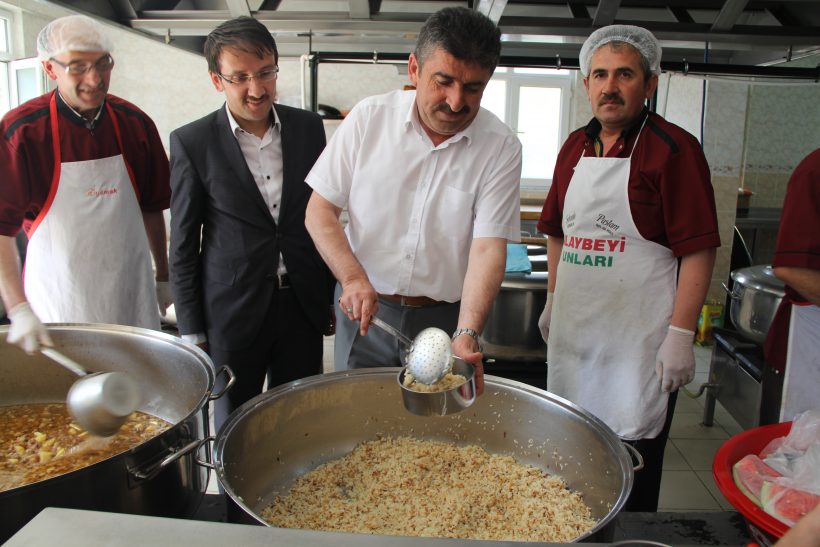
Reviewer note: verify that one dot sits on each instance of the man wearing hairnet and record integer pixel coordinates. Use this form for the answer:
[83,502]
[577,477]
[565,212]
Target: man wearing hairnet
[85,175]
[632,231]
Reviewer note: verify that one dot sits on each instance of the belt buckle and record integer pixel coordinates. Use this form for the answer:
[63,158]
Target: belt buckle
[405,304]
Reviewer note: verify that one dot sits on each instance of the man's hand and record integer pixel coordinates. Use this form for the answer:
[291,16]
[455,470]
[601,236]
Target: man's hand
[164,297]
[546,316]
[467,348]
[675,363]
[359,302]
[26,330]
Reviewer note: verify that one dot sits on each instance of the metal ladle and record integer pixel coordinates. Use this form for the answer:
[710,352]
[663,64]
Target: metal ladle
[429,355]
[100,402]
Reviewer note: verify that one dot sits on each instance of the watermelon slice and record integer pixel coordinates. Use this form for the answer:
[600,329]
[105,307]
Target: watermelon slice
[785,503]
[749,473]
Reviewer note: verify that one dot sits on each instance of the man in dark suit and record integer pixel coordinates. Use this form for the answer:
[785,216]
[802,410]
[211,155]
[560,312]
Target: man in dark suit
[250,287]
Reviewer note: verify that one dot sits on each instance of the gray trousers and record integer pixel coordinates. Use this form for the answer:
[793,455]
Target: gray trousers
[378,348]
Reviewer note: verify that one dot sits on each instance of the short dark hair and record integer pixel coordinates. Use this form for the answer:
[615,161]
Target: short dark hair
[243,33]
[466,34]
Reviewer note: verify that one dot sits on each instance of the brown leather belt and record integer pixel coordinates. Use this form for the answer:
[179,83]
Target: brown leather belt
[411,301]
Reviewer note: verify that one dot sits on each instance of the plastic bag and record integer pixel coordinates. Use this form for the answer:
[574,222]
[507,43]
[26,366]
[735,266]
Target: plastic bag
[797,457]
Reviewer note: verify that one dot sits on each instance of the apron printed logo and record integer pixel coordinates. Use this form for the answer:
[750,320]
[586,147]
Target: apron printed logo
[590,244]
[607,225]
[94,193]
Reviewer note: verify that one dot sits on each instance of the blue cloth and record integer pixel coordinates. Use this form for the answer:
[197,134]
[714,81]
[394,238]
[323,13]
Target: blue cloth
[517,259]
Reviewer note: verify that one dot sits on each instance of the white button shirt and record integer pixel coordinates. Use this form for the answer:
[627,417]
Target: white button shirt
[414,208]
[264,160]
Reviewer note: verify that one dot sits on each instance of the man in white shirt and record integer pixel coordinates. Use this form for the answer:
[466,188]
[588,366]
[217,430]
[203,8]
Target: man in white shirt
[431,186]
[251,288]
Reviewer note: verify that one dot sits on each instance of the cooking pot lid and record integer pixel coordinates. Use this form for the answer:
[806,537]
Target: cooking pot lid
[761,278]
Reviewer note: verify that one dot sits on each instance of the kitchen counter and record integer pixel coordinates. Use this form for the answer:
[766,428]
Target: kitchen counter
[758,217]
[72,527]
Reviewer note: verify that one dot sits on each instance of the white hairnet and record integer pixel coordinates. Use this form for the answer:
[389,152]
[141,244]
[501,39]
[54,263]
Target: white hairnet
[638,37]
[72,33]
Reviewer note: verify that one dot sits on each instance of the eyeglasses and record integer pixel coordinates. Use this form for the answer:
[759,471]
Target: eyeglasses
[267,75]
[78,68]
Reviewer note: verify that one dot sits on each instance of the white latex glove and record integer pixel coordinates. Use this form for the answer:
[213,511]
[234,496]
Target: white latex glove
[546,316]
[164,297]
[675,363]
[26,330]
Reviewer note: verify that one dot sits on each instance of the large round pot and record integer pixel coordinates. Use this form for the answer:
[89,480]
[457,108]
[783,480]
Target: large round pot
[511,331]
[756,294]
[158,477]
[284,433]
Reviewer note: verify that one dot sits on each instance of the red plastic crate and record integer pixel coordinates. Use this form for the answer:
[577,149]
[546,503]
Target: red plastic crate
[752,441]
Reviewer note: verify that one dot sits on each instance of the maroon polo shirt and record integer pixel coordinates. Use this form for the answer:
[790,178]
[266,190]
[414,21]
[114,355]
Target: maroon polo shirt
[27,159]
[798,246]
[670,189]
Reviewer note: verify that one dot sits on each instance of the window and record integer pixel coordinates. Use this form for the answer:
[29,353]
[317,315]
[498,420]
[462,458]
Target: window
[27,80]
[535,103]
[5,56]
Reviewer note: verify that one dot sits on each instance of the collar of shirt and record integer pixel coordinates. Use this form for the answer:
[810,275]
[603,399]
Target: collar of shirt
[593,129]
[63,106]
[235,125]
[412,121]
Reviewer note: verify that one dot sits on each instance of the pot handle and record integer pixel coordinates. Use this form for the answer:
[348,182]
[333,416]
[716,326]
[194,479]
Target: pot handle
[635,454]
[231,380]
[731,293]
[209,465]
[152,471]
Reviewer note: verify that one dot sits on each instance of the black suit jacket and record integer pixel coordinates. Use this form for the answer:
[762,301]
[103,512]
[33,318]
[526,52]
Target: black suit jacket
[225,244]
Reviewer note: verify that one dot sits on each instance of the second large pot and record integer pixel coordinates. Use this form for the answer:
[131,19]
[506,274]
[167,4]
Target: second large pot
[158,477]
[511,331]
[286,432]
[756,294]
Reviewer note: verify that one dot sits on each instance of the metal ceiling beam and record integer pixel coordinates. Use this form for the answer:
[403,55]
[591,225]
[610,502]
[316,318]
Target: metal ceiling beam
[681,14]
[491,8]
[606,12]
[729,14]
[238,8]
[359,9]
[124,10]
[202,22]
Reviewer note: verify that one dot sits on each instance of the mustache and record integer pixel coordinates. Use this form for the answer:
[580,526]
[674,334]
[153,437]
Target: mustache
[444,107]
[610,98]
[99,87]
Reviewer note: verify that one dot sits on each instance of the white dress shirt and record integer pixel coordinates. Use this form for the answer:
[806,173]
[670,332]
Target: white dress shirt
[414,208]
[264,160]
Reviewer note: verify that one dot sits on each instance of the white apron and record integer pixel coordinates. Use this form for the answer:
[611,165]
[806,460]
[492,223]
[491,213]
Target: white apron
[88,259]
[801,381]
[613,302]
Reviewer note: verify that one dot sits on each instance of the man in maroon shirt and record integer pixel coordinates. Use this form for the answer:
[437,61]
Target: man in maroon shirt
[85,175]
[793,341]
[632,230]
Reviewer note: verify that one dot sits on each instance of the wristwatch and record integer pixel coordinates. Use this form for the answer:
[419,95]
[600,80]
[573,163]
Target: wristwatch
[468,332]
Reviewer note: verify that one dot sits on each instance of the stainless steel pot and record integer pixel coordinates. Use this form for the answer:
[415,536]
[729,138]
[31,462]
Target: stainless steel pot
[159,477]
[756,293]
[511,331]
[286,432]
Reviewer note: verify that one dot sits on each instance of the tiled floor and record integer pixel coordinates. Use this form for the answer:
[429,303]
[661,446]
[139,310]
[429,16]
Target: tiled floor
[687,483]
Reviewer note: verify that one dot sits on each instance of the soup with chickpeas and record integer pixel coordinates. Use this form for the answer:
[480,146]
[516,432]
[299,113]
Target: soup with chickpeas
[39,441]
